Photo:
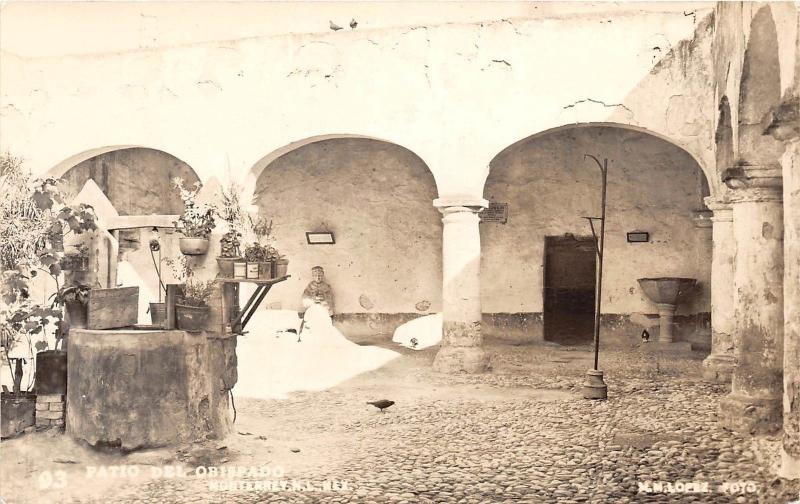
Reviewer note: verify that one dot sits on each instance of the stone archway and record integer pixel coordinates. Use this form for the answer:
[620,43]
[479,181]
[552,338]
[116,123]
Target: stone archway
[376,197]
[135,179]
[654,186]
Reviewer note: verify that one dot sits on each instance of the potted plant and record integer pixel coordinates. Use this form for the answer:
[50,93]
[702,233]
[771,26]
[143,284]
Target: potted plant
[191,314]
[22,331]
[196,222]
[17,408]
[191,307]
[254,254]
[281,266]
[232,214]
[229,253]
[272,257]
[75,300]
[261,251]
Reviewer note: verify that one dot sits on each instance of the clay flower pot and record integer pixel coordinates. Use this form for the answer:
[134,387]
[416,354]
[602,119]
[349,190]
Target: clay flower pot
[225,266]
[281,268]
[191,318]
[77,314]
[266,270]
[193,246]
[51,372]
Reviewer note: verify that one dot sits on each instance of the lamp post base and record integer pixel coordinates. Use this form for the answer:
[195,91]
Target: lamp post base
[595,387]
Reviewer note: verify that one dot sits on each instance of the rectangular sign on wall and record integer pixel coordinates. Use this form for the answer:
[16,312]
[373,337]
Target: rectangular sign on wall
[496,213]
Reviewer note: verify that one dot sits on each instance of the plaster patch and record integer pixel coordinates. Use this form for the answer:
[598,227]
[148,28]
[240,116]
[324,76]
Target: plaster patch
[766,230]
[365,302]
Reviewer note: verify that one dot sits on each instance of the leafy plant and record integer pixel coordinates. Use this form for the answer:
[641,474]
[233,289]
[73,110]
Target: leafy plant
[273,254]
[197,219]
[181,269]
[78,292]
[197,293]
[262,229]
[255,252]
[80,250]
[34,219]
[232,211]
[230,244]
[262,249]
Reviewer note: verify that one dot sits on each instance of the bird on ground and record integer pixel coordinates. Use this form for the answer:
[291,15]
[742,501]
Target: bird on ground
[353,24]
[382,404]
[334,26]
[645,336]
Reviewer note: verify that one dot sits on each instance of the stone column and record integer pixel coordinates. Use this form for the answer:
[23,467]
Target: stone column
[718,366]
[754,404]
[790,463]
[462,341]
[783,123]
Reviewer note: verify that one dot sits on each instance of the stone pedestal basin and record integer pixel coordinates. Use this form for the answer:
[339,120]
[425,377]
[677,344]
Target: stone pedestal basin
[666,292]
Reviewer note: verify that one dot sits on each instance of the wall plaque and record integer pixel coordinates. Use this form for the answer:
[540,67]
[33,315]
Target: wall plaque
[496,213]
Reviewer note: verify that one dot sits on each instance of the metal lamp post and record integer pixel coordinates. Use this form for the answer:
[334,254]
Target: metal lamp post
[595,387]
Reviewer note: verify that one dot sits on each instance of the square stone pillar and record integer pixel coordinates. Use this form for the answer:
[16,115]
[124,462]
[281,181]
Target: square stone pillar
[718,366]
[462,341]
[755,403]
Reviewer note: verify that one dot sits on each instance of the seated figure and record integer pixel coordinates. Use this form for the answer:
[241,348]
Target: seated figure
[317,303]
[318,291]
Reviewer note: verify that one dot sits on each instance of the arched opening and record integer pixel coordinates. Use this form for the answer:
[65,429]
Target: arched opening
[376,198]
[137,180]
[538,269]
[384,267]
[760,91]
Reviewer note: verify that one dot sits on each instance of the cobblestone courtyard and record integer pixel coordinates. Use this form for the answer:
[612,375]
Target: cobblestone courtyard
[518,434]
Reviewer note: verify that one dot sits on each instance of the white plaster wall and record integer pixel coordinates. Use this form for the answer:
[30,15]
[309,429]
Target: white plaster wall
[377,199]
[454,94]
[652,186]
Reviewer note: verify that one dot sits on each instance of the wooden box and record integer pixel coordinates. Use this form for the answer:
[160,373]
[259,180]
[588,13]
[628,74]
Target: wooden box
[112,308]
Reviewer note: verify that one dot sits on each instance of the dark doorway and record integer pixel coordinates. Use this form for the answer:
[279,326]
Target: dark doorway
[569,284]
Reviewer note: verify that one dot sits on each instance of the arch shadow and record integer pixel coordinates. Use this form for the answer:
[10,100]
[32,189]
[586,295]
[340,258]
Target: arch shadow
[710,179]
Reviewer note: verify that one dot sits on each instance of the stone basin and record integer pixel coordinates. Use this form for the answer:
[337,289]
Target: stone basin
[666,290]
